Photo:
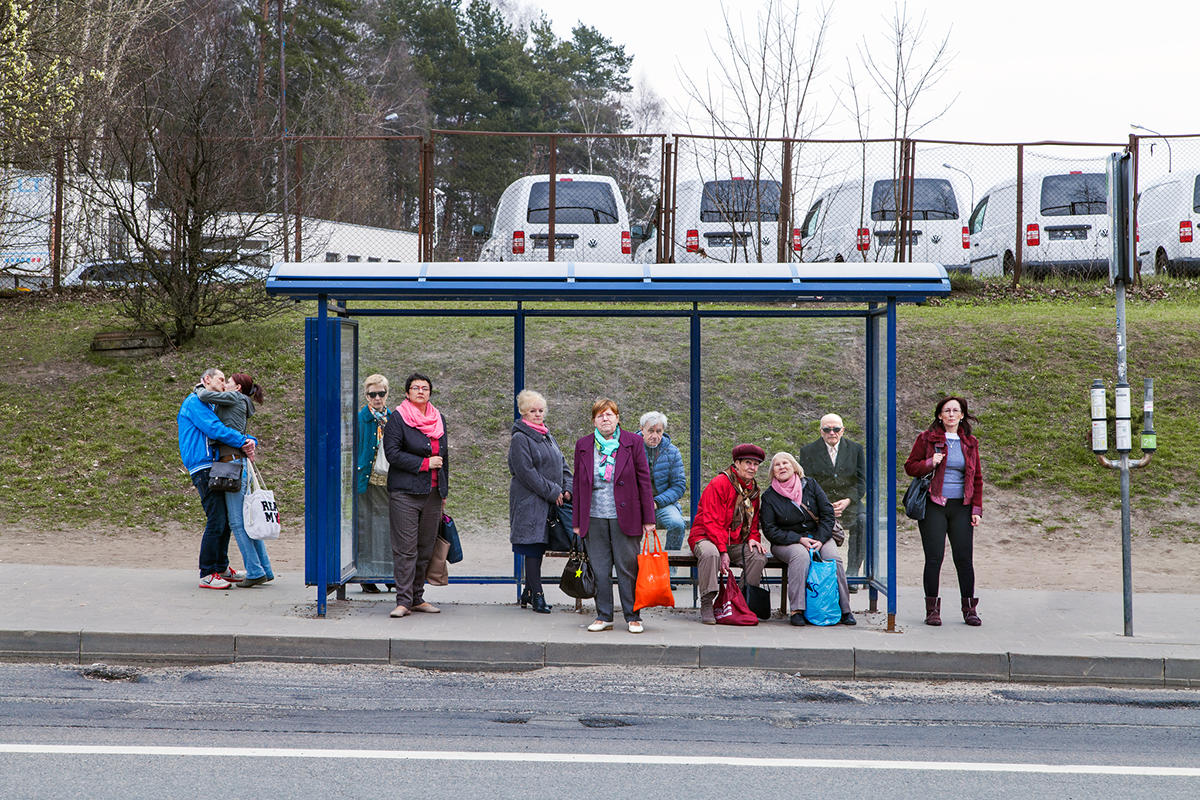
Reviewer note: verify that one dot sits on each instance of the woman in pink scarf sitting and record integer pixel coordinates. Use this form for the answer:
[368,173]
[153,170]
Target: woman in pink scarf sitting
[797,517]
[416,447]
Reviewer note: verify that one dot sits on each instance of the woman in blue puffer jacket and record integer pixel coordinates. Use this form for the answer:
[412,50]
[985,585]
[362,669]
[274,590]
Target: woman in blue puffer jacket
[667,476]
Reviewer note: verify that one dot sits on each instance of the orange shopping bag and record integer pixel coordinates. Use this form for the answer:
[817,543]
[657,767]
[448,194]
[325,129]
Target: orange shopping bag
[654,577]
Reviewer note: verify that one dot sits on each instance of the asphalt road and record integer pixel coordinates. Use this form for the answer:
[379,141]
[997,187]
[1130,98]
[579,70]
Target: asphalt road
[259,730]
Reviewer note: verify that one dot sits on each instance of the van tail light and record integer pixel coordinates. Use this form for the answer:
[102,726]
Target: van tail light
[1033,234]
[864,238]
[1185,231]
[795,240]
[966,238]
[626,243]
[519,242]
[693,241]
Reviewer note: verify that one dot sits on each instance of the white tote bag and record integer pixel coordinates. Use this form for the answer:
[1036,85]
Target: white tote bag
[260,515]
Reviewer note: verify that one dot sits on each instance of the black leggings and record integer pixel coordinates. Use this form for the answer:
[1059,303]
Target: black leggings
[952,521]
[533,574]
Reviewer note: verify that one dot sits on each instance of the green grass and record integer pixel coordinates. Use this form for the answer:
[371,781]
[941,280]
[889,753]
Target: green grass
[90,441]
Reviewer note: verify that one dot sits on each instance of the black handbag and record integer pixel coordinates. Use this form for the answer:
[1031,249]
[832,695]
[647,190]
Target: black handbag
[915,497]
[559,532]
[225,476]
[757,598]
[578,580]
[449,531]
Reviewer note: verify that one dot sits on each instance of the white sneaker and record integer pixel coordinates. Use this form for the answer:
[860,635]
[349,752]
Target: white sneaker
[600,625]
[214,581]
[636,626]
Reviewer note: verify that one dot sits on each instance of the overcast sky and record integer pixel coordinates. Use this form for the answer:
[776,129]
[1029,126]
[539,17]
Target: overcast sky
[1024,70]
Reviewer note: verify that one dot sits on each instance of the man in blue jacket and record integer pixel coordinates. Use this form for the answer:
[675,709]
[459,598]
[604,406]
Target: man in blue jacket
[667,476]
[199,430]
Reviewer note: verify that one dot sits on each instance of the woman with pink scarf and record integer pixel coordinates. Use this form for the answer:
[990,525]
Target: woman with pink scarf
[416,447]
[797,517]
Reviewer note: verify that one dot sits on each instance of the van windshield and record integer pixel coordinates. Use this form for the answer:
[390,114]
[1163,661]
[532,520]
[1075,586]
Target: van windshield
[1076,193]
[575,203]
[933,198]
[740,201]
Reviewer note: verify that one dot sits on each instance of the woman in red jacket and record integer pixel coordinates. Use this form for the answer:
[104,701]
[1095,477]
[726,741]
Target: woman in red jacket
[955,506]
[613,507]
[726,528]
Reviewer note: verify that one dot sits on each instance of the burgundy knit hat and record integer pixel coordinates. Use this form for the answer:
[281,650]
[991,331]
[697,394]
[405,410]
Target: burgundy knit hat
[748,451]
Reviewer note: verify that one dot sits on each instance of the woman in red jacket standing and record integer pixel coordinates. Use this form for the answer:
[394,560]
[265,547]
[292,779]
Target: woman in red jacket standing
[955,506]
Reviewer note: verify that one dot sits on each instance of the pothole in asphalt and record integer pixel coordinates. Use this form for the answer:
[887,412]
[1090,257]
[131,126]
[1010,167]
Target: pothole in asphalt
[602,722]
[103,672]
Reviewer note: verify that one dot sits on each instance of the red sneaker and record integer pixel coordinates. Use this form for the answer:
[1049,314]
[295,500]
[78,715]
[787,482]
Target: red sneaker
[214,581]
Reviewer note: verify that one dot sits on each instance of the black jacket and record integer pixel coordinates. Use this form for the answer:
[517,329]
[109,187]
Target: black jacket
[782,523]
[406,450]
[848,478]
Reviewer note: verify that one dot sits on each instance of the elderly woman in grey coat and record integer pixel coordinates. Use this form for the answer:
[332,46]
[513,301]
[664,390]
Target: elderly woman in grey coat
[540,477]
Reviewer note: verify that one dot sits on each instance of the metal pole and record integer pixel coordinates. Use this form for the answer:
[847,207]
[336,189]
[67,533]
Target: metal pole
[518,385]
[322,532]
[1020,243]
[784,234]
[56,238]
[299,196]
[1126,536]
[550,242]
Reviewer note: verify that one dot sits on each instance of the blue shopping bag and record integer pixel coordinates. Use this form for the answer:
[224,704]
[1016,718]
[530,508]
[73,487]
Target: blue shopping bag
[821,605]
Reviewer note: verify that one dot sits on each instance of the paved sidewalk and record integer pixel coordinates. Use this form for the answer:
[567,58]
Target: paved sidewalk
[64,614]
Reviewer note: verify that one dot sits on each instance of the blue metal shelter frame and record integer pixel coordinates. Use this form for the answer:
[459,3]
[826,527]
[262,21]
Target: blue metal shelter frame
[331,368]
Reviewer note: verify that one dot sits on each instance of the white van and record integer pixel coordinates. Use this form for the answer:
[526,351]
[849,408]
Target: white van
[591,222]
[856,221]
[727,221]
[1168,216]
[1065,226]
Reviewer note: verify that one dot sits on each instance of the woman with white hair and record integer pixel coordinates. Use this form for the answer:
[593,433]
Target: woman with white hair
[540,481]
[666,476]
[797,518]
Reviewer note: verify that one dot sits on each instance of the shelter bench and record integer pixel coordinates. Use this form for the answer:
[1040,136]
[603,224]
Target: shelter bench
[688,560]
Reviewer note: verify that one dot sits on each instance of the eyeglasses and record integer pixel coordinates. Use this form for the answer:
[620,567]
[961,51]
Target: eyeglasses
[377,394]
[832,429]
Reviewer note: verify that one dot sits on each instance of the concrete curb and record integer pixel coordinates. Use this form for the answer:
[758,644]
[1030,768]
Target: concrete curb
[159,649]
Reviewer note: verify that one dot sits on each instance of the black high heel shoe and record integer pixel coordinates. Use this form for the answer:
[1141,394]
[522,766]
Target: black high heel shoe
[526,597]
[540,605]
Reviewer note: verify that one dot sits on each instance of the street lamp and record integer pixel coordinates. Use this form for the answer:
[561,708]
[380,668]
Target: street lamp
[1159,135]
[956,169]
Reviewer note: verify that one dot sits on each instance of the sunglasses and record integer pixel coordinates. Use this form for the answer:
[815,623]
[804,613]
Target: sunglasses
[832,429]
[377,394]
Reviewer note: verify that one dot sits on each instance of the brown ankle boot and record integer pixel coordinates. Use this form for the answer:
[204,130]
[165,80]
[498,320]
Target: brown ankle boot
[933,611]
[969,615]
[706,608]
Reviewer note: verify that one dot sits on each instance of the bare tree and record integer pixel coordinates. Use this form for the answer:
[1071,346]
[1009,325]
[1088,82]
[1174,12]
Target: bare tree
[911,71]
[182,177]
[763,87]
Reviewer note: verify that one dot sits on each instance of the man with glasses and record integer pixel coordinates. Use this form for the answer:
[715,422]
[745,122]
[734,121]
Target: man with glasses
[199,432]
[839,467]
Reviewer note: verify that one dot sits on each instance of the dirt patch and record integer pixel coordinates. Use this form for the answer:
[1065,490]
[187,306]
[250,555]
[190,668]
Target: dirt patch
[1026,541]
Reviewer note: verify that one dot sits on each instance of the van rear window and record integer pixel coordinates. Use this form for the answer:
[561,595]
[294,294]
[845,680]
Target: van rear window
[933,198]
[1196,196]
[575,203]
[1077,193]
[740,201]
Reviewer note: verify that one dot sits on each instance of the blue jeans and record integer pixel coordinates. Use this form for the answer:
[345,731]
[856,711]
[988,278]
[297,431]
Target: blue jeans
[214,546]
[671,518]
[254,552]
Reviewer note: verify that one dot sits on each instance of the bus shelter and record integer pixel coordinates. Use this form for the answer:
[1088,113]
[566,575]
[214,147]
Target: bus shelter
[866,292]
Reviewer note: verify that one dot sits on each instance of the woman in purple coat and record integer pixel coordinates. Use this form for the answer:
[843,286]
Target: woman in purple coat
[613,508]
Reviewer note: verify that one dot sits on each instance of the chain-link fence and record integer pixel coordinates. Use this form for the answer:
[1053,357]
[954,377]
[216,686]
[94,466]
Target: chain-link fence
[989,210]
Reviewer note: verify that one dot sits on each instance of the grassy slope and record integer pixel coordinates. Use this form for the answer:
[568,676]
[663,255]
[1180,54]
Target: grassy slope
[88,441]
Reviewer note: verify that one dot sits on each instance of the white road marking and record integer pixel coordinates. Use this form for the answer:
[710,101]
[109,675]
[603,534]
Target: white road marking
[601,758]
